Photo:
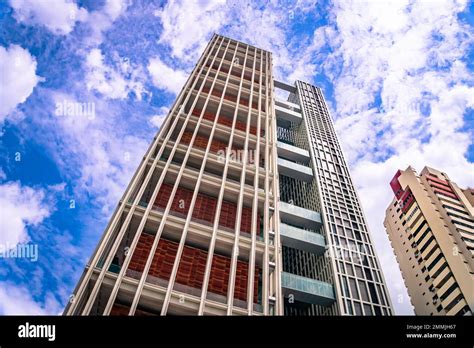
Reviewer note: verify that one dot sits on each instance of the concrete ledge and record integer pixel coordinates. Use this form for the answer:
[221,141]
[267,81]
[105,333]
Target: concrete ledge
[287,115]
[298,216]
[284,86]
[293,153]
[307,290]
[294,170]
[300,239]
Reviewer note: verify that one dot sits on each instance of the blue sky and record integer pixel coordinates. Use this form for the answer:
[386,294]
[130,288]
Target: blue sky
[398,77]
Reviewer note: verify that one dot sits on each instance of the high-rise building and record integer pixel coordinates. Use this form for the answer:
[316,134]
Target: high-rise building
[242,205]
[430,223]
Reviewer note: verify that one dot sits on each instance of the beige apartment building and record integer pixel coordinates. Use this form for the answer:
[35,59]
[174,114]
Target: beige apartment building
[430,223]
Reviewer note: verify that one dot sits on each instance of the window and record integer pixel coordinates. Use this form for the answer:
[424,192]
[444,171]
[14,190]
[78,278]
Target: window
[454,302]
[443,266]
[363,291]
[373,293]
[353,286]
[358,308]
[463,310]
[449,291]
[368,275]
[435,261]
[426,244]
[368,310]
[345,287]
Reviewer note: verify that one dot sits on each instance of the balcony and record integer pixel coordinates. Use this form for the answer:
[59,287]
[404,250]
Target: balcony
[300,239]
[297,216]
[307,290]
[292,153]
[288,114]
[294,170]
[287,105]
[284,86]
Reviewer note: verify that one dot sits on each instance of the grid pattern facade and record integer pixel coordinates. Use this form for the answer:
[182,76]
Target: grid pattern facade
[359,280]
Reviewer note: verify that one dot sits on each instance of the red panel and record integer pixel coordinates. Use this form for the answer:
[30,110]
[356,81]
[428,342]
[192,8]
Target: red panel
[119,309]
[201,142]
[407,200]
[192,267]
[395,185]
[234,73]
[442,187]
[205,208]
[226,121]
[449,194]
[435,179]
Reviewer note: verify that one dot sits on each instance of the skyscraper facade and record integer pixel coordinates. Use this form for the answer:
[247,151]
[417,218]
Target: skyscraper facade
[430,223]
[242,205]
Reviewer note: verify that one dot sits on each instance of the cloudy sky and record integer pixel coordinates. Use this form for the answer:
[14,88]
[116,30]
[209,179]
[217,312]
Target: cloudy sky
[398,77]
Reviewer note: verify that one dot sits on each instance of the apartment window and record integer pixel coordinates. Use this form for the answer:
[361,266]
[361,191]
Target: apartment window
[455,209]
[435,261]
[373,293]
[358,308]
[449,291]
[363,291]
[423,235]
[419,228]
[353,286]
[444,281]
[431,252]
[443,266]
[454,302]
[345,287]
[368,310]
[463,310]
[426,244]
[349,307]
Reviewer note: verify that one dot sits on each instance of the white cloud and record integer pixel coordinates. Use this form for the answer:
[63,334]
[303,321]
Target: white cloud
[22,206]
[165,77]
[110,82]
[17,300]
[102,150]
[188,24]
[59,16]
[101,20]
[17,77]
[157,120]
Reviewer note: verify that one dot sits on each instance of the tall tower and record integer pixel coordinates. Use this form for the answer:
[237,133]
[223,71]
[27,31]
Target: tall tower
[242,205]
[430,223]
